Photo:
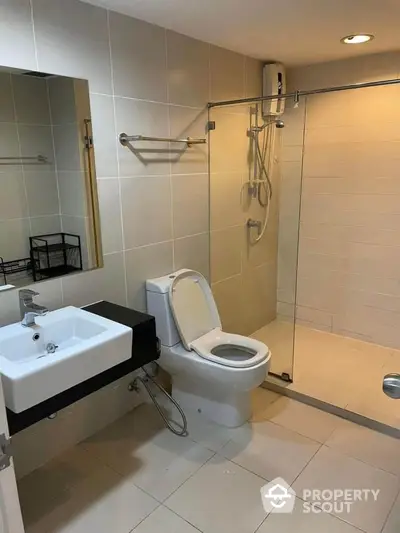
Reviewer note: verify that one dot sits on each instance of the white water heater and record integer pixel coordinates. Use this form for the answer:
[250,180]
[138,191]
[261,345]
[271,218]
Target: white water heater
[274,82]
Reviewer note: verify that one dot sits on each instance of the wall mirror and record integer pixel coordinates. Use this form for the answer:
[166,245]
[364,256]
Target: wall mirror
[49,218]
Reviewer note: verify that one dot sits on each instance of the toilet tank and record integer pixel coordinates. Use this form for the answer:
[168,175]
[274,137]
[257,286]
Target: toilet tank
[157,293]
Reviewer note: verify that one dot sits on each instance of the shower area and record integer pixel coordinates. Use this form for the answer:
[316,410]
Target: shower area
[305,238]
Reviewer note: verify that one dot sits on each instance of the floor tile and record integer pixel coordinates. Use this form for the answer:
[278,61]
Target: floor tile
[46,487]
[300,522]
[162,520]
[303,419]
[270,450]
[141,449]
[332,470]
[376,405]
[393,522]
[220,498]
[261,399]
[103,503]
[325,366]
[323,389]
[206,432]
[366,445]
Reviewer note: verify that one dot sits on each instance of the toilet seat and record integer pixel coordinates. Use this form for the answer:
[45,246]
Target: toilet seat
[199,326]
[229,349]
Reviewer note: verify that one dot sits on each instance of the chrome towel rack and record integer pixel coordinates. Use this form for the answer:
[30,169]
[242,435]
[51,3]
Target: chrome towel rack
[38,158]
[124,139]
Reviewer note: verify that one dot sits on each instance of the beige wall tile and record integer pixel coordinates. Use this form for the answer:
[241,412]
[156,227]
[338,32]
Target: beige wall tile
[110,209]
[146,210]
[79,226]
[227,74]
[17,28]
[228,199]
[146,263]
[253,77]
[42,193]
[7,113]
[18,246]
[72,191]
[9,146]
[62,100]
[36,140]
[187,122]
[68,147]
[229,143]
[142,118]
[106,283]
[138,75]
[226,253]
[194,253]
[79,35]
[13,201]
[31,100]
[259,296]
[45,224]
[228,296]
[104,135]
[190,201]
[314,317]
[188,70]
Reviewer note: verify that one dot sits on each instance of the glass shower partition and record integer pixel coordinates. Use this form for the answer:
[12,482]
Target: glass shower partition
[255,180]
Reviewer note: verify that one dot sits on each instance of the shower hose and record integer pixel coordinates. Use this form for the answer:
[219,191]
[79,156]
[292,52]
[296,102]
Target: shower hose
[182,431]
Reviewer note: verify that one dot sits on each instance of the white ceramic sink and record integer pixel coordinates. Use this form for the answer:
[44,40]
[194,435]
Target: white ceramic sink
[86,345]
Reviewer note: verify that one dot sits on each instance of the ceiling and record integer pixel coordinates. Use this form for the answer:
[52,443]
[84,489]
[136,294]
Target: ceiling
[295,32]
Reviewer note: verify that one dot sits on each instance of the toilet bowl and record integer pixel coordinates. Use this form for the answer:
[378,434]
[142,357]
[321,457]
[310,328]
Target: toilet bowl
[213,372]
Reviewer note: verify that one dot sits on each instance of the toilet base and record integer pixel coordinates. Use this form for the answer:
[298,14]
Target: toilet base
[225,408]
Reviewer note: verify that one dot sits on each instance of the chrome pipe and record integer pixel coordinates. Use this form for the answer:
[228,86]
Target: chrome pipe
[40,158]
[297,94]
[124,139]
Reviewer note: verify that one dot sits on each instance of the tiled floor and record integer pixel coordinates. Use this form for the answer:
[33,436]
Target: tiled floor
[135,476]
[341,371]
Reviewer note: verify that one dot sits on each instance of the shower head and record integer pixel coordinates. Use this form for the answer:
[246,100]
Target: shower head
[279,123]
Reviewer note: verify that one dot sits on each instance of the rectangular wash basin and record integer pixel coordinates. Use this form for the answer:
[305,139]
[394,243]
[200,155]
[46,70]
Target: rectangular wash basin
[65,347]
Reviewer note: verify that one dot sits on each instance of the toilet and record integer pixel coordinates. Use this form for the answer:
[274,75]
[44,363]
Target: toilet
[212,372]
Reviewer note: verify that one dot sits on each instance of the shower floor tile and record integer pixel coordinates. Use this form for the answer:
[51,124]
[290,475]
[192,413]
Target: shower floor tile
[341,371]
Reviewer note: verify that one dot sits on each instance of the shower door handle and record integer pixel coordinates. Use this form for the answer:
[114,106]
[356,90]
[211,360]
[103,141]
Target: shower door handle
[391,386]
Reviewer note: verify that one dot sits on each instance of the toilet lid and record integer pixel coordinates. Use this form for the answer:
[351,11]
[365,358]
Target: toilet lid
[193,306]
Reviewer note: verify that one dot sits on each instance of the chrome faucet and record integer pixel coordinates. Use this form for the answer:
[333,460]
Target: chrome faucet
[28,309]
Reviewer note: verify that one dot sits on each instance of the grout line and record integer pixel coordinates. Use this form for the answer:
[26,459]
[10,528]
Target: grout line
[171,191]
[20,153]
[118,159]
[34,34]
[182,518]
[145,518]
[192,474]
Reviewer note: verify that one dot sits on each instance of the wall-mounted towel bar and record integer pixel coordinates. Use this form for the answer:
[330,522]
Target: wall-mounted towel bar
[37,158]
[124,139]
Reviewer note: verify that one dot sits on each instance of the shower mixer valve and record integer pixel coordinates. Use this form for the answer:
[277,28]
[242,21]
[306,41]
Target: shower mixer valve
[254,224]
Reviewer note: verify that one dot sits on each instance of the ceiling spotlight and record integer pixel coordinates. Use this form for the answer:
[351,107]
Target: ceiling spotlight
[357,38]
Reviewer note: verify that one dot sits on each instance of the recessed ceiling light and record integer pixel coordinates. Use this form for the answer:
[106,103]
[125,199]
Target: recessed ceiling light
[357,38]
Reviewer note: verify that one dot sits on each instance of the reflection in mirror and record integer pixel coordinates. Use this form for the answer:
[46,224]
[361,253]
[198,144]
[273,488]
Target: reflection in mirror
[49,222]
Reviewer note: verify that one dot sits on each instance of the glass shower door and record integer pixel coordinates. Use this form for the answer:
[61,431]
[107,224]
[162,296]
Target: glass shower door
[254,209]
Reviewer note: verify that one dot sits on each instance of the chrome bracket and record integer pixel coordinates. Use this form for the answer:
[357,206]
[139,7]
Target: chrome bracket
[5,452]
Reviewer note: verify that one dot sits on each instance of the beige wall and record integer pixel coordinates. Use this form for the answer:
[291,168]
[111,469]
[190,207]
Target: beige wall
[143,80]
[348,277]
